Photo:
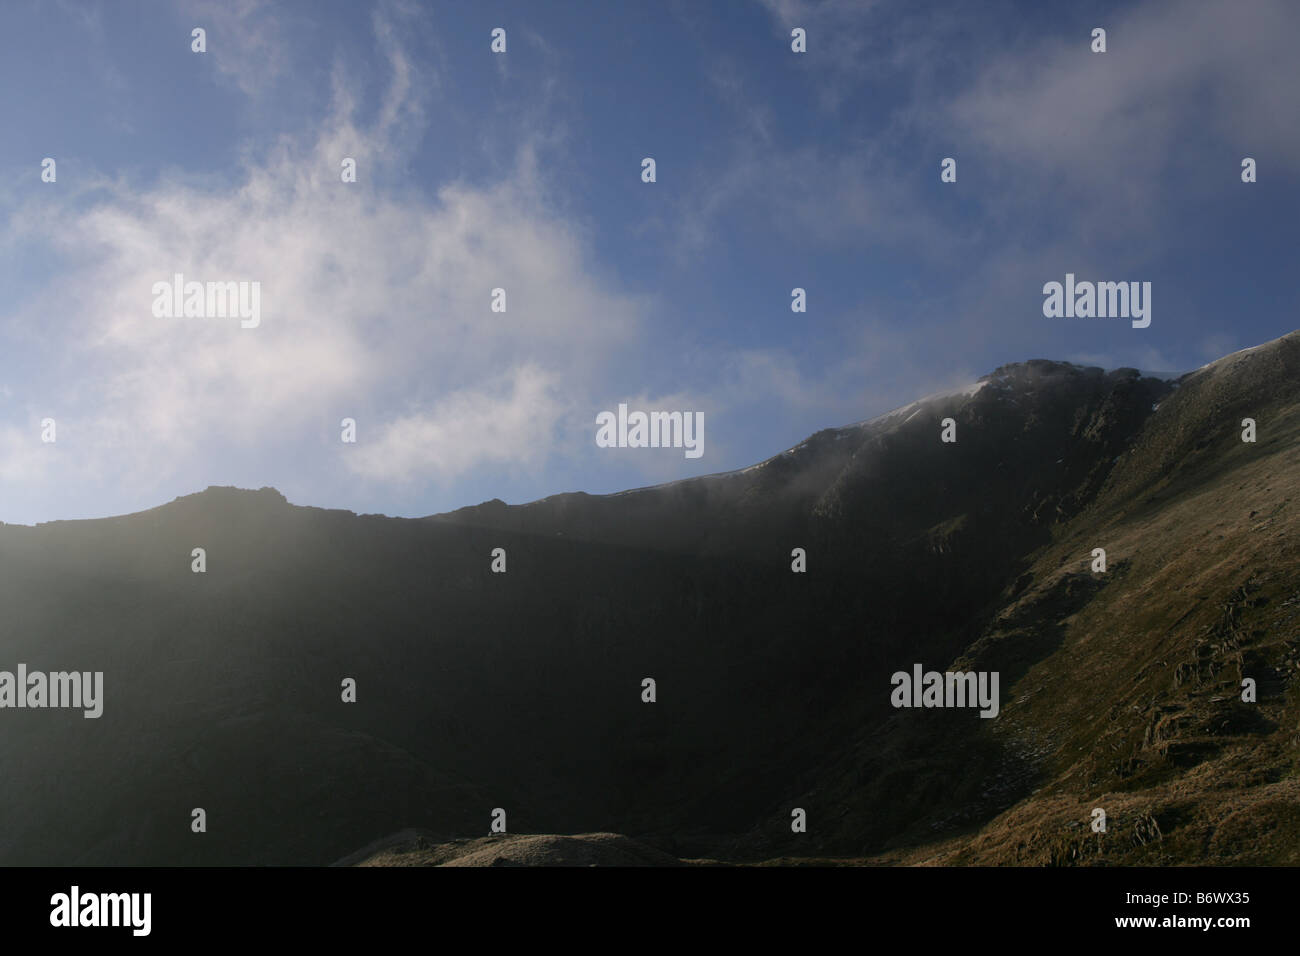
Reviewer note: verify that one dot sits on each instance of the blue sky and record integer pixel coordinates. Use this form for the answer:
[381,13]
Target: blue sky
[522,171]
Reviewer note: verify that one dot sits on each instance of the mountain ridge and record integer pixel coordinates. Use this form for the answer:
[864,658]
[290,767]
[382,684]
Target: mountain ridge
[522,690]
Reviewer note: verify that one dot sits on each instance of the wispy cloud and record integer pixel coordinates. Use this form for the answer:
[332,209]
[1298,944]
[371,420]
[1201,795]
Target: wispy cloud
[375,304]
[511,422]
[1173,74]
[246,40]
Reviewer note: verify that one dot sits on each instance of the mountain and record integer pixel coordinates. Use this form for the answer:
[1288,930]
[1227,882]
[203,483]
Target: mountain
[522,690]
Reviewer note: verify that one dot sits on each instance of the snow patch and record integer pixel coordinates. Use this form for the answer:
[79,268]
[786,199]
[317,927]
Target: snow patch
[1253,348]
[915,407]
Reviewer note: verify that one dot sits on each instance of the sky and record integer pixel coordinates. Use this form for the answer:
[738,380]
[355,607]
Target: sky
[522,170]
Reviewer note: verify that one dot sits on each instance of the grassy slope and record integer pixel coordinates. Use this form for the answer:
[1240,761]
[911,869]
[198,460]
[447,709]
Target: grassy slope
[1130,696]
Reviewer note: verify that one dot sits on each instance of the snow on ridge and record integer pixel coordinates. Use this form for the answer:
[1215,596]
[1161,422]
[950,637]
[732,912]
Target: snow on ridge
[1231,354]
[840,433]
[915,406]
[1254,348]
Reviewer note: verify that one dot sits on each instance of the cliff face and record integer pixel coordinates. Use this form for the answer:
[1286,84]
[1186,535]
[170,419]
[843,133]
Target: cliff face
[523,690]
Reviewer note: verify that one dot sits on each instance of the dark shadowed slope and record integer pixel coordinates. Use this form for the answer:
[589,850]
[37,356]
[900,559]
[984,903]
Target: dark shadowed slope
[522,690]
[1123,690]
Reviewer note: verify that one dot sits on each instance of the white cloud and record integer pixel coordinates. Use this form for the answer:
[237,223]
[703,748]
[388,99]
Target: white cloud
[1172,71]
[375,304]
[817,197]
[245,39]
[842,46]
[468,428]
